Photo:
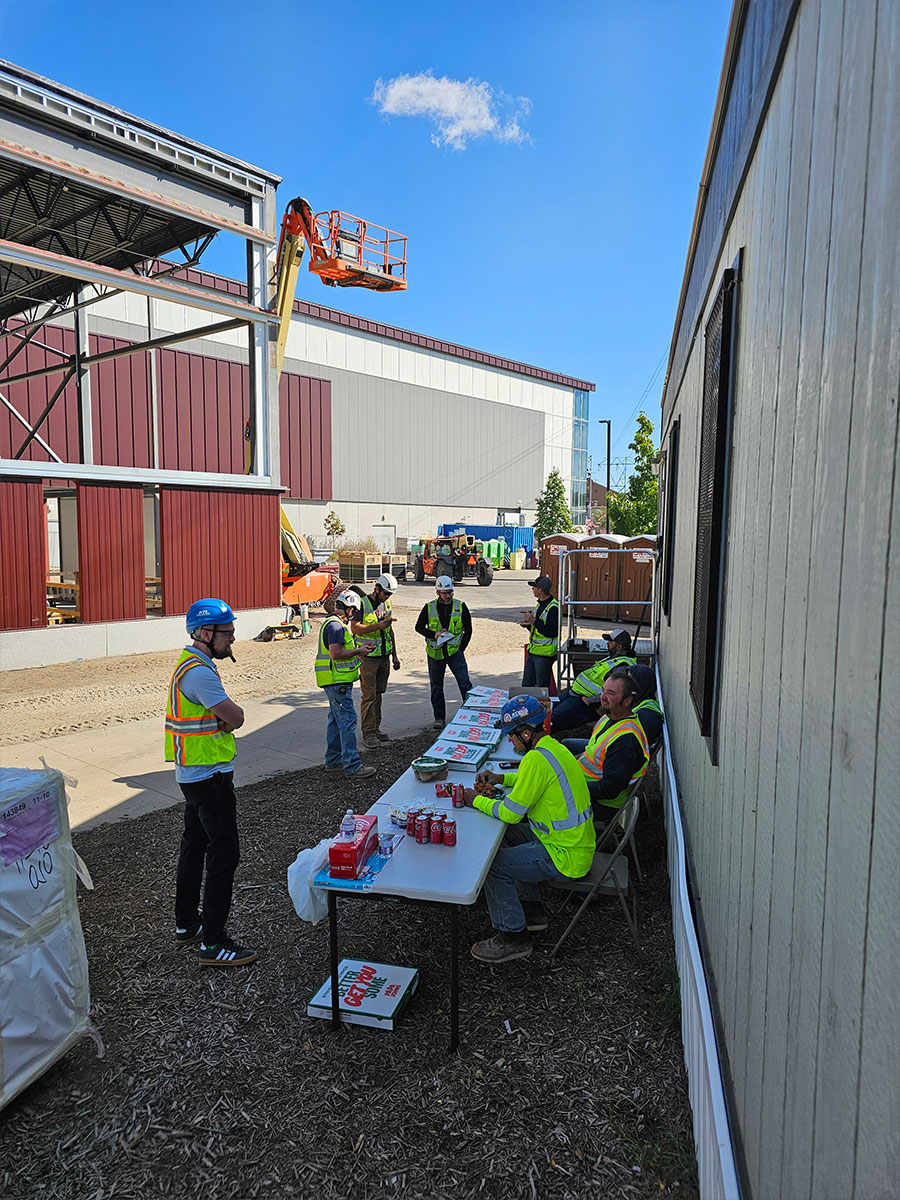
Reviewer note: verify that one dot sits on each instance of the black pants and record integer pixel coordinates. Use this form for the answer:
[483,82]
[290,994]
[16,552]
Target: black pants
[211,837]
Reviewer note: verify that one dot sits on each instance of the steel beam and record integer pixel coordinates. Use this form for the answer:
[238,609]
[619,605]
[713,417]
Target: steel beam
[144,285]
[21,469]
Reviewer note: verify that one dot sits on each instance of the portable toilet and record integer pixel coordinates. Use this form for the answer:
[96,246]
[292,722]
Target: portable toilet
[551,550]
[636,578]
[598,577]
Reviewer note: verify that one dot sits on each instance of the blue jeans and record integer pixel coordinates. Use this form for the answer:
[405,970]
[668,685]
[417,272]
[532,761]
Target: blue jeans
[519,866]
[340,746]
[538,670]
[436,668]
[569,712]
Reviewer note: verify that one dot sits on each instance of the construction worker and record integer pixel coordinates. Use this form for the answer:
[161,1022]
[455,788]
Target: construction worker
[543,641]
[646,708]
[579,703]
[199,739]
[337,668]
[373,625]
[556,843]
[617,753]
[446,626]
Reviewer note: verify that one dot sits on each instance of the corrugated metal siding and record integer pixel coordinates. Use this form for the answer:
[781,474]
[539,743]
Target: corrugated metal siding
[111,551]
[203,408]
[219,543]
[305,413]
[60,430]
[120,404]
[22,564]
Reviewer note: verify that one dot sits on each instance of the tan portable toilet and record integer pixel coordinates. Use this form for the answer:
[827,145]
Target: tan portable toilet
[551,549]
[636,578]
[598,577]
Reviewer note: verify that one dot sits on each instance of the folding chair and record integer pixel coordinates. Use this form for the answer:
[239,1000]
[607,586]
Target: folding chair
[608,875]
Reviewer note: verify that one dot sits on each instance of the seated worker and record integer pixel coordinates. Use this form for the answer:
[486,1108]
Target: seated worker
[556,842]
[616,754]
[646,708]
[578,703]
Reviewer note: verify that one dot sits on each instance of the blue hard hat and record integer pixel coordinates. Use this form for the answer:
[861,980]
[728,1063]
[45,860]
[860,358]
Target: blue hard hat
[207,612]
[521,710]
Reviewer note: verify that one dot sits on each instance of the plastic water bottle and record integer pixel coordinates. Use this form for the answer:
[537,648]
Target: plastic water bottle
[348,827]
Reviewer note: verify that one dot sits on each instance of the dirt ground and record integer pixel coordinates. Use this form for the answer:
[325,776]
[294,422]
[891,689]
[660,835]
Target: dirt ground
[49,701]
[570,1082]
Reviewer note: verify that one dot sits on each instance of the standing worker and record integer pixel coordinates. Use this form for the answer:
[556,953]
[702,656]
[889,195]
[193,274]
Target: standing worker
[337,668]
[372,626]
[543,642]
[556,842]
[439,618]
[199,739]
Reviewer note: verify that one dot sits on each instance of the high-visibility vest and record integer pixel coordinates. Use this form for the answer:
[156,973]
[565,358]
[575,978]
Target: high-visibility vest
[193,737]
[329,670]
[605,733]
[591,681]
[382,638]
[544,647]
[455,627]
[561,817]
[650,706]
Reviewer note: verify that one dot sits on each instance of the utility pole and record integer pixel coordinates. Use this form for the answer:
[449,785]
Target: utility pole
[608,425]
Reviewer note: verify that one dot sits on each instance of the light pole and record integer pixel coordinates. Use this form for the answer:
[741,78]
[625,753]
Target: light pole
[608,425]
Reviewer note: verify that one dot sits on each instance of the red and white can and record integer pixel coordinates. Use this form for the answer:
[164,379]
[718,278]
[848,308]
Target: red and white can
[449,831]
[457,795]
[423,829]
[437,828]
[411,815]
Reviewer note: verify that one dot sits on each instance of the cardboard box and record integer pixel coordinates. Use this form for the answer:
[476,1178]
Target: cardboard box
[347,859]
[370,993]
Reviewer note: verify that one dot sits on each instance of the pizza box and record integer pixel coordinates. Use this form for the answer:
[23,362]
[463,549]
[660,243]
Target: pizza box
[369,993]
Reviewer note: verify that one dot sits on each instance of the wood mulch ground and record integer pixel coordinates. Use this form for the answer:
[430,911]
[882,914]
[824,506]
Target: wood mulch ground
[570,1081]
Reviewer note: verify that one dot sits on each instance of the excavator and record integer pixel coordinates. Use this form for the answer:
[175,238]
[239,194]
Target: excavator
[344,251]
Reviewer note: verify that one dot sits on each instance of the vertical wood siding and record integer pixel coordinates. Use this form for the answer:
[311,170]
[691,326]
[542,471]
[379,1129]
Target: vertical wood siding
[111,552]
[305,413]
[22,555]
[203,408]
[795,834]
[219,543]
[60,430]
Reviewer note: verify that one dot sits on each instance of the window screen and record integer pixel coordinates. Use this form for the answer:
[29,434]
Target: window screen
[711,501]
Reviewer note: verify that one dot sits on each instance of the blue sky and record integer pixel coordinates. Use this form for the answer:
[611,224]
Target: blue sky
[543,160]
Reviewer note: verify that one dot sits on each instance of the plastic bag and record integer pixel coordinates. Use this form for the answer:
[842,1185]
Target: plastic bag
[311,903]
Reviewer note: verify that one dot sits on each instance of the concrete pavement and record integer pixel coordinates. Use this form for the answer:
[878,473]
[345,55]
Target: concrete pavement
[121,774]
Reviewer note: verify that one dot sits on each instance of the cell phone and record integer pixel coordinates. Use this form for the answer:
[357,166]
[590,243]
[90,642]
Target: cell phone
[508,766]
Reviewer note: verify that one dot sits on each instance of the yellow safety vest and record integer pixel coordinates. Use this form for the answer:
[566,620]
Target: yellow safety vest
[455,627]
[544,647]
[383,638]
[193,737]
[605,733]
[591,681]
[328,670]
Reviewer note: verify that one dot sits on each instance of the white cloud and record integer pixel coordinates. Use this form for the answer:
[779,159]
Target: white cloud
[460,110]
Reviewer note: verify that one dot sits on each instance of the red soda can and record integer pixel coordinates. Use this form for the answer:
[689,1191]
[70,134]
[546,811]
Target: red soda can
[411,815]
[449,832]
[458,801]
[437,828]
[423,829]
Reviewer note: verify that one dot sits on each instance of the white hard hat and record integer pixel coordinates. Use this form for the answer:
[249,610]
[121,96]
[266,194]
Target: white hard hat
[348,599]
[387,583]
[443,583]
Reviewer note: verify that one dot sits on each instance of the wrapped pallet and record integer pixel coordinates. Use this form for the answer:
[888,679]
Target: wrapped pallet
[44,1000]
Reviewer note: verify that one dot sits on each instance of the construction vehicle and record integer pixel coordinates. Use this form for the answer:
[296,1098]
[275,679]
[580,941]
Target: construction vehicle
[460,557]
[344,251]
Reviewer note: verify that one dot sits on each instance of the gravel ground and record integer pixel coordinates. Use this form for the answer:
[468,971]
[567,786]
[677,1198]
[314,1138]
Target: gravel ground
[570,1081]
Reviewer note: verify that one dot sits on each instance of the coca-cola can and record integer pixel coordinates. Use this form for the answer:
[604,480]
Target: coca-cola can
[457,795]
[423,829]
[437,828]
[411,815]
[449,832]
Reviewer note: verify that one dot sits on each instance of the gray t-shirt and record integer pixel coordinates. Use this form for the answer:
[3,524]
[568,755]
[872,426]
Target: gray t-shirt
[204,687]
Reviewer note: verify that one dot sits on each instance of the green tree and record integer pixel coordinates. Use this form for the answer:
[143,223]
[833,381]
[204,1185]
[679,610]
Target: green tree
[334,526]
[553,515]
[635,511]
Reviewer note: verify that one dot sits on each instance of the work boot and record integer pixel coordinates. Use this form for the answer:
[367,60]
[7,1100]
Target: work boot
[382,737]
[371,744]
[503,946]
[362,773]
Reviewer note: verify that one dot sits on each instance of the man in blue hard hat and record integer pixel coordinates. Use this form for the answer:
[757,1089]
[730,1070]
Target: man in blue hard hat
[199,739]
[555,842]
